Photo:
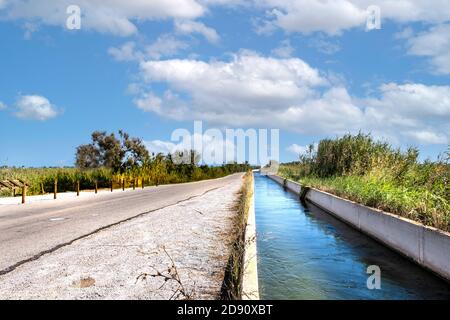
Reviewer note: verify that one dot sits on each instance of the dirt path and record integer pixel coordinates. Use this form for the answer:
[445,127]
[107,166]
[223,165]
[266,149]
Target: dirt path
[107,264]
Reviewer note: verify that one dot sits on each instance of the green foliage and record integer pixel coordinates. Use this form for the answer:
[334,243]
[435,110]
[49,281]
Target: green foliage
[41,180]
[108,151]
[154,171]
[377,175]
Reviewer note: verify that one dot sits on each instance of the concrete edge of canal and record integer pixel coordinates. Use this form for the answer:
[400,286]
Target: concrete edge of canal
[424,245]
[250,288]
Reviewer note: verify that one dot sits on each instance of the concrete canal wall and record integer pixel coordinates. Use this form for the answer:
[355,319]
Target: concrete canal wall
[250,288]
[427,246]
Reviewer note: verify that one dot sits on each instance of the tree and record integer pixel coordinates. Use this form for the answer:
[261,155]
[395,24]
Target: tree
[186,157]
[135,152]
[88,156]
[108,151]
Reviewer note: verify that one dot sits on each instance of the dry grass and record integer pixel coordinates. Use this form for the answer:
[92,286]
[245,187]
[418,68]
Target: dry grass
[232,284]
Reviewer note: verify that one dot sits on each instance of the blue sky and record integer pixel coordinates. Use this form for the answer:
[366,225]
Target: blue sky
[308,68]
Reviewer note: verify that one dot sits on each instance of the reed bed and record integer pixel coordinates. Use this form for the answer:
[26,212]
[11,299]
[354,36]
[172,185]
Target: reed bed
[375,174]
[41,180]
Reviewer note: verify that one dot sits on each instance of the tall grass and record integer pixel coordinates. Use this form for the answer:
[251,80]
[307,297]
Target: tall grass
[41,180]
[375,174]
[155,172]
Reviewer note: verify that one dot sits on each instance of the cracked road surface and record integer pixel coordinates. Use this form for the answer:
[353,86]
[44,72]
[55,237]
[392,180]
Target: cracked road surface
[31,230]
[118,262]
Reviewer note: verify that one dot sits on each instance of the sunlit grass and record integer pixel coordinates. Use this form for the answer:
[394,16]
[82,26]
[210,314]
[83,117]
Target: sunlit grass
[376,175]
[155,172]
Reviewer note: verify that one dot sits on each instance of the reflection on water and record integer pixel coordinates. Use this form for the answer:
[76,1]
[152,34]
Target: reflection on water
[305,253]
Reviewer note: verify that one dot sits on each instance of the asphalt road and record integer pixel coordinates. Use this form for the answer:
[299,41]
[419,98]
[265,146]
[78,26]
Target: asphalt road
[31,230]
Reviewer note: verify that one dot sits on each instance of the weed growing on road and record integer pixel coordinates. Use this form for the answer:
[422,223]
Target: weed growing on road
[170,275]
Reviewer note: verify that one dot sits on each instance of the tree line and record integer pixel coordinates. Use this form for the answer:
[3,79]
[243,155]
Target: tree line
[128,156]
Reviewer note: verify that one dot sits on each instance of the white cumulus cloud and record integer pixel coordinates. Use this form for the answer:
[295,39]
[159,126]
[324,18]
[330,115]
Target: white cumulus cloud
[335,16]
[285,50]
[165,45]
[126,52]
[296,149]
[413,111]
[35,107]
[255,90]
[229,91]
[428,137]
[189,26]
[435,45]
[301,150]
[159,146]
[304,16]
[107,16]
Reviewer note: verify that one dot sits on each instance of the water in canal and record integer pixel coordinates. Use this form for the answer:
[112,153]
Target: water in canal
[305,253]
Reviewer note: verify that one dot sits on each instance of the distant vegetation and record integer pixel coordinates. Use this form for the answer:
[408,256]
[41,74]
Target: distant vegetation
[375,174]
[126,159]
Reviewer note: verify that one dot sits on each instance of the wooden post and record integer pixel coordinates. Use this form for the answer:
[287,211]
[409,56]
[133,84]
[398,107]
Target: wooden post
[96,187]
[112,185]
[14,192]
[142,182]
[78,188]
[24,193]
[42,188]
[134,184]
[55,189]
[123,184]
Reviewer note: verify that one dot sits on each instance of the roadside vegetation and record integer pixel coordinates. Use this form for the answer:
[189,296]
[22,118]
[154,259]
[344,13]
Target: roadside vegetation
[118,160]
[232,284]
[375,174]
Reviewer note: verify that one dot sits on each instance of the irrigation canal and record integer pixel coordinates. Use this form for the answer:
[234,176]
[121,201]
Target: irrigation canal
[305,253]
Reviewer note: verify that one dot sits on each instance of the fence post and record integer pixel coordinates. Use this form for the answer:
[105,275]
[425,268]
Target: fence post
[112,185]
[24,193]
[14,192]
[96,187]
[134,184]
[55,189]
[142,182]
[78,188]
[123,184]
